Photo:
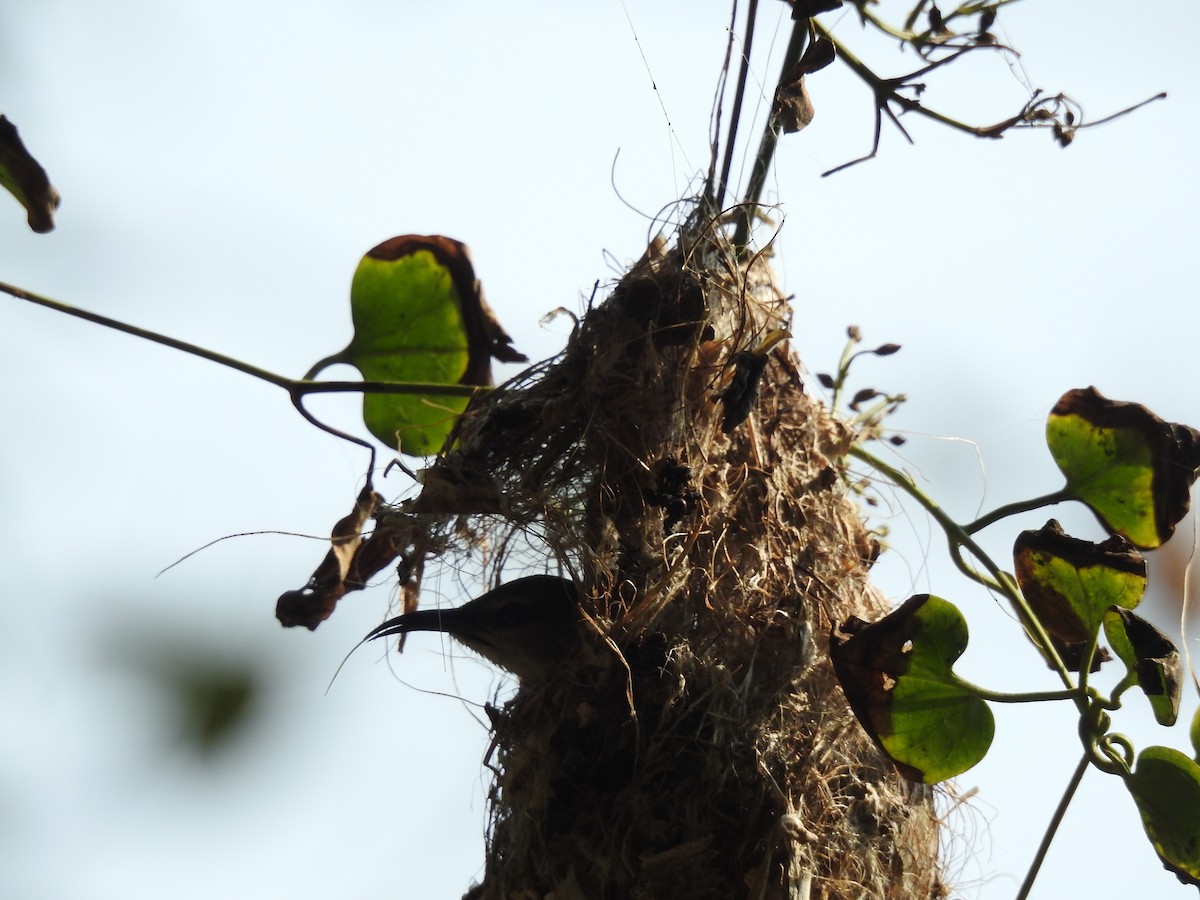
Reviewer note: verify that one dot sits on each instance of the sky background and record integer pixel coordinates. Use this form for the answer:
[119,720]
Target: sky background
[224,165]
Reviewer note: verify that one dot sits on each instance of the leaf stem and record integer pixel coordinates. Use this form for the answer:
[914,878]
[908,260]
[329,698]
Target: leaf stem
[1012,509]
[322,364]
[1113,701]
[1052,828]
[1024,697]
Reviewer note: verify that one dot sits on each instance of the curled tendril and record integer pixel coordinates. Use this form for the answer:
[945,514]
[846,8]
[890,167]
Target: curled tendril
[1119,749]
[1112,753]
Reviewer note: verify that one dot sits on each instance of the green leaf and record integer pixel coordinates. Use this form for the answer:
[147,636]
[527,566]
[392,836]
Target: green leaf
[419,316]
[23,177]
[1152,657]
[1194,733]
[1133,469]
[897,675]
[1166,788]
[1070,583]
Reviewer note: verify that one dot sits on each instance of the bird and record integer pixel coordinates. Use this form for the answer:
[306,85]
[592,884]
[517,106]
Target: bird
[527,626]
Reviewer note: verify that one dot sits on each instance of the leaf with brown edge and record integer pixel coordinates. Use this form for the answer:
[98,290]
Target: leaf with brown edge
[420,317]
[1152,657]
[1071,583]
[1165,785]
[486,337]
[1132,469]
[315,602]
[898,676]
[23,177]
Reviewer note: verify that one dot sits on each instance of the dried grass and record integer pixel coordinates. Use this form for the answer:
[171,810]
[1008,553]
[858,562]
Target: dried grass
[705,751]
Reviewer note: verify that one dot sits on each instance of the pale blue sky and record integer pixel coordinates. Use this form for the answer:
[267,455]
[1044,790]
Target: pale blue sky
[224,165]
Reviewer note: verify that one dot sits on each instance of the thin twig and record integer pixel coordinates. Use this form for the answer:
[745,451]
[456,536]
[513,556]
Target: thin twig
[297,388]
[770,137]
[1001,581]
[710,189]
[738,95]
[1056,112]
[1011,509]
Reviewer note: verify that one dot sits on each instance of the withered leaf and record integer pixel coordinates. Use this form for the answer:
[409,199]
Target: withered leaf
[1071,583]
[806,9]
[793,109]
[26,180]
[1152,657]
[337,573]
[379,549]
[448,489]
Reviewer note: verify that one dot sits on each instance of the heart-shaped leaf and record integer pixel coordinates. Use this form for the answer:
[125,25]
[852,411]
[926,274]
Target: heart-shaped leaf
[897,675]
[1070,583]
[420,316]
[1166,788]
[1151,656]
[1133,469]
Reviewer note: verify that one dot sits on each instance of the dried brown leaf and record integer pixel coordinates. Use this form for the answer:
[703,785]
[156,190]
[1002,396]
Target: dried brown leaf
[338,572]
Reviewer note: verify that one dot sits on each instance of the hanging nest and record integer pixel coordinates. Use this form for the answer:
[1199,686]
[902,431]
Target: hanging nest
[698,746]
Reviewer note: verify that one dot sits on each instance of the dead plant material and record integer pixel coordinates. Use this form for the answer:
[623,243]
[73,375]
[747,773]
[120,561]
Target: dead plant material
[704,750]
[315,602]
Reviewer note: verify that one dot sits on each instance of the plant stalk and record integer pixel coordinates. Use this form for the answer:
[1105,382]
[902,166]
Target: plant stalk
[1000,580]
[1012,509]
[1052,828]
[770,137]
[296,387]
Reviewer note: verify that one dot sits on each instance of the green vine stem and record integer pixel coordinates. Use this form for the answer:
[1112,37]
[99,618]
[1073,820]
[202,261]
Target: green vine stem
[1085,661]
[1000,581]
[1052,827]
[1027,697]
[1098,746]
[296,387]
[1113,701]
[1012,509]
